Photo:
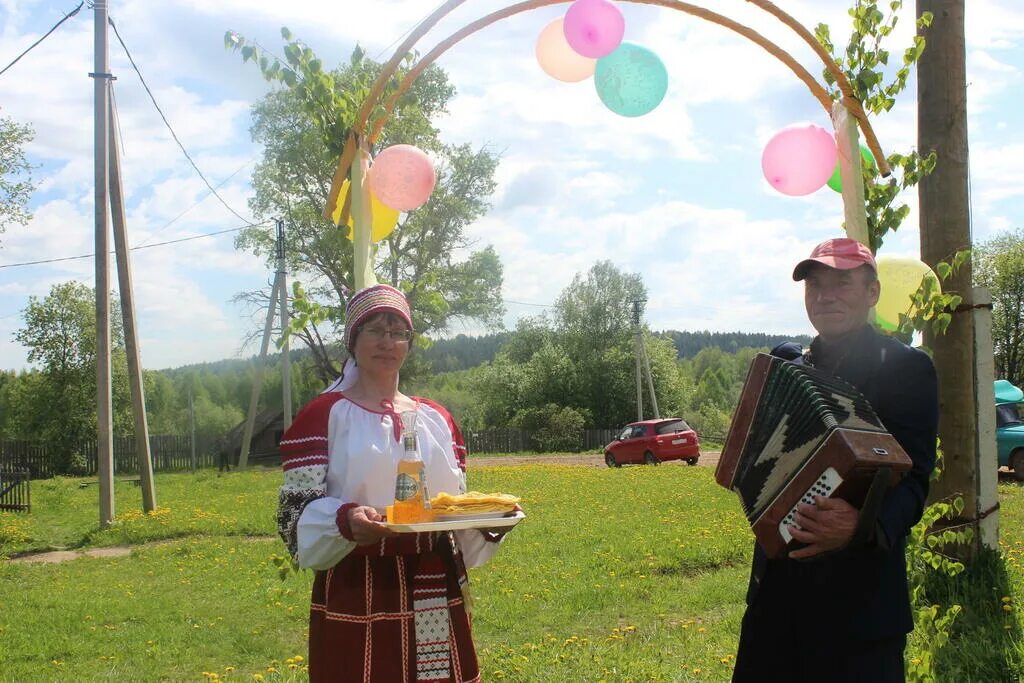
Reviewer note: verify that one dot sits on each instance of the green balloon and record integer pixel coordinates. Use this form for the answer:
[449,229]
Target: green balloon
[836,182]
[631,81]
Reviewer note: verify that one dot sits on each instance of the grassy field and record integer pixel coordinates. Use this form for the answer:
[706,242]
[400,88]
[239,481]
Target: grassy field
[634,574]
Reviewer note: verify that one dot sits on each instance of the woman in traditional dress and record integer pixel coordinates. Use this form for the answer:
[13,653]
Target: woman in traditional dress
[386,607]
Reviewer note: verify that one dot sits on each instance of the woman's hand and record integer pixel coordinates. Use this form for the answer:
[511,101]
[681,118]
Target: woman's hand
[495,534]
[367,525]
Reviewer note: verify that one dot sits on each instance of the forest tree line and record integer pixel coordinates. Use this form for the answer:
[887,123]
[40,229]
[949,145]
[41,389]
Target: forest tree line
[553,375]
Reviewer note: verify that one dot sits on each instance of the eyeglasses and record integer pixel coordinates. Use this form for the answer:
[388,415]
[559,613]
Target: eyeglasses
[378,333]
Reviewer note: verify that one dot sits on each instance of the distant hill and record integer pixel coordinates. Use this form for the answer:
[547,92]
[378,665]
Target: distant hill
[463,352]
[688,344]
[227,366]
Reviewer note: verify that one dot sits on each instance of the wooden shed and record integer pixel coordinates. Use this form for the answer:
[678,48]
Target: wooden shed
[266,439]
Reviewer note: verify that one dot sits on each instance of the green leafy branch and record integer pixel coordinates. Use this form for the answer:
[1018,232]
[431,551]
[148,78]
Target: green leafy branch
[930,308]
[332,103]
[864,63]
[865,59]
[932,623]
[286,566]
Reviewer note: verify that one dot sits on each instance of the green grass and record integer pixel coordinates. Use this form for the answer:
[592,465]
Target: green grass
[66,515]
[626,574]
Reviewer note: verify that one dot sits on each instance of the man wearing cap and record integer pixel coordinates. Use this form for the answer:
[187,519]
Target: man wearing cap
[838,609]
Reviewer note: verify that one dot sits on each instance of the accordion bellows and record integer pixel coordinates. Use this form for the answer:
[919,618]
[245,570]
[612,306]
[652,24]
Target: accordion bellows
[799,432]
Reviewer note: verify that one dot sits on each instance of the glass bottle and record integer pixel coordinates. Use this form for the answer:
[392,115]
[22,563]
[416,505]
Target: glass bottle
[412,500]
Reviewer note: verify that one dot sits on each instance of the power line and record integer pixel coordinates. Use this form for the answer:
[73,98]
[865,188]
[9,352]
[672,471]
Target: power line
[198,202]
[168,124]
[144,246]
[408,31]
[45,36]
[527,303]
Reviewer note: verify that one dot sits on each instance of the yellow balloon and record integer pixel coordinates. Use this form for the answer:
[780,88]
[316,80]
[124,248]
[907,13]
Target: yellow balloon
[900,277]
[384,217]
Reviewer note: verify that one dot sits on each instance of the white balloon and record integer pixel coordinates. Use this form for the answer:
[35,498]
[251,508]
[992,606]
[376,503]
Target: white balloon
[558,59]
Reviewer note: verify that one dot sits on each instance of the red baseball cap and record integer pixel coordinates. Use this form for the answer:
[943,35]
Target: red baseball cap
[841,253]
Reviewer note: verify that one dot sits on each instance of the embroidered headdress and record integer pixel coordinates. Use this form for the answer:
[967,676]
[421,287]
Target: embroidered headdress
[369,302]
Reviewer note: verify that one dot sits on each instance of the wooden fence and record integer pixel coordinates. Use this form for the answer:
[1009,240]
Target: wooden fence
[174,453]
[15,490]
[516,440]
[168,454]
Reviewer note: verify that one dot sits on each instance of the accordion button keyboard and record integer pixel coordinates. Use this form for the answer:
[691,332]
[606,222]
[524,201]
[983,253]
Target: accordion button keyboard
[828,482]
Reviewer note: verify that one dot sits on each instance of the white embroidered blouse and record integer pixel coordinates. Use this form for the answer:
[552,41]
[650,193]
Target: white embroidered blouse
[338,452]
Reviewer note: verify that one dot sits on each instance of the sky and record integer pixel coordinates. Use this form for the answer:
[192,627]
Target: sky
[677,195]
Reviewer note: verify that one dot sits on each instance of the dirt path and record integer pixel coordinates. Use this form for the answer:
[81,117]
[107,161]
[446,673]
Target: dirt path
[707,459]
[55,556]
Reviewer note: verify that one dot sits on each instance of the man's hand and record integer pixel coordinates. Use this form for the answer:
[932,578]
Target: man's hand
[827,525]
[367,525]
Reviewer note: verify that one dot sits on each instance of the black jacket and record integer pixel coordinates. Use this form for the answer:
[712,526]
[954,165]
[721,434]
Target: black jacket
[863,589]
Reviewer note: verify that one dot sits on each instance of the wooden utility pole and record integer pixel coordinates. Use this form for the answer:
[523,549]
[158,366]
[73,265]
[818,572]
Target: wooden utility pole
[104,400]
[131,334]
[945,229]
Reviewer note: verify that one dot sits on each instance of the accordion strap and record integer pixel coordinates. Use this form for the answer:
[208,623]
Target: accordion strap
[872,504]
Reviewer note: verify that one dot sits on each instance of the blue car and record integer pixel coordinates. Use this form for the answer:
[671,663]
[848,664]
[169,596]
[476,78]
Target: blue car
[1010,427]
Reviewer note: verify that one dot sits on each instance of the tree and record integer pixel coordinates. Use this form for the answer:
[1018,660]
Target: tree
[593,323]
[596,309]
[15,173]
[59,406]
[999,266]
[302,128]
[581,357]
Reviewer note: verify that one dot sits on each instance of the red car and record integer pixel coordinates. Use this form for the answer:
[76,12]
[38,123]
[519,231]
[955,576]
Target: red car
[653,442]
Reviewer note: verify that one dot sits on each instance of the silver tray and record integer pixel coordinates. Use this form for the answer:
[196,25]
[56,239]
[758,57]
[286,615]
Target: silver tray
[463,522]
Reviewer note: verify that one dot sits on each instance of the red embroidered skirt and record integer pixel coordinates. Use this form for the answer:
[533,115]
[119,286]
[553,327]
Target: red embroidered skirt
[392,613]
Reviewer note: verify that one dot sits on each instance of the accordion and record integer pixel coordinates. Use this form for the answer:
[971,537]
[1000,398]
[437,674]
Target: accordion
[798,433]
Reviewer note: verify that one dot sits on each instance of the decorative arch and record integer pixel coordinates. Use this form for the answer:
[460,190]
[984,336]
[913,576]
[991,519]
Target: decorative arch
[360,136]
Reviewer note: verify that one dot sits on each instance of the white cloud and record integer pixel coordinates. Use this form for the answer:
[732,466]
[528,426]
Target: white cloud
[987,78]
[997,174]
[676,195]
[994,24]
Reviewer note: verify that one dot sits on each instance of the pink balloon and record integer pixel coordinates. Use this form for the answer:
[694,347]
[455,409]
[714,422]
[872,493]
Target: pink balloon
[402,177]
[558,59]
[594,28]
[799,160]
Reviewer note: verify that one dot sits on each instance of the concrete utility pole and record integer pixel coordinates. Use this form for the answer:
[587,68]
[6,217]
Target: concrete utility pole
[286,366]
[945,229]
[131,334]
[636,352]
[104,400]
[650,379]
[257,381]
[280,289]
[192,428]
[643,365]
